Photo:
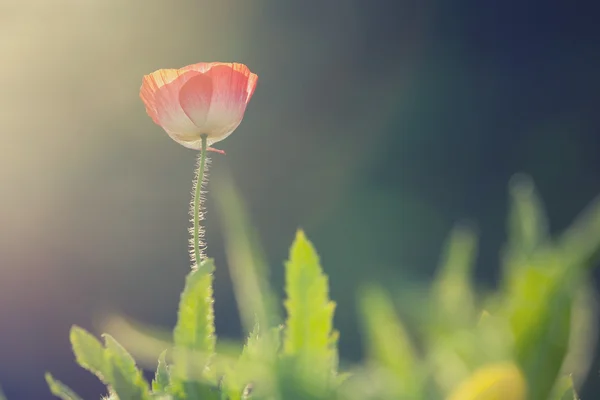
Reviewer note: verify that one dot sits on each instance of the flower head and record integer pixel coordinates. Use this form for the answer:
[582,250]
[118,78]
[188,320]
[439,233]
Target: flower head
[203,98]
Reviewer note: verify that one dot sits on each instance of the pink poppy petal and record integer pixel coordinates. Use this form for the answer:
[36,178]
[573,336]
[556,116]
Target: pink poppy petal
[203,66]
[195,99]
[160,93]
[252,80]
[229,99]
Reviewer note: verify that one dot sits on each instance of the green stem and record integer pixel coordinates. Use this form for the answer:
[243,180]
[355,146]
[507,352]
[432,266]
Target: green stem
[198,256]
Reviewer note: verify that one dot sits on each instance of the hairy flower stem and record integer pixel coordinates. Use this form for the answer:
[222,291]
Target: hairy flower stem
[200,179]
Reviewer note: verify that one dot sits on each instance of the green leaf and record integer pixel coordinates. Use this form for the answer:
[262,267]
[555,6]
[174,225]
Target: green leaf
[238,375]
[126,379]
[255,364]
[452,288]
[527,223]
[540,285]
[583,336]
[247,264]
[309,334]
[194,337]
[538,305]
[195,321]
[161,377]
[89,353]
[161,396]
[388,345]
[580,243]
[57,388]
[193,389]
[564,389]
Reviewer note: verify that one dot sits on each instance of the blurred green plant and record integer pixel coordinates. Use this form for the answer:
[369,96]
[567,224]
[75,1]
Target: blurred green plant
[510,344]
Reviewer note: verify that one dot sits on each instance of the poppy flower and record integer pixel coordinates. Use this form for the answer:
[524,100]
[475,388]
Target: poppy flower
[203,98]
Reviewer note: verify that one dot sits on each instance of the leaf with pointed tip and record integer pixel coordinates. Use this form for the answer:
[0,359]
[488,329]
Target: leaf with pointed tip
[527,223]
[254,365]
[237,376]
[309,335]
[580,243]
[89,353]
[388,344]
[247,264]
[58,389]
[193,335]
[538,305]
[540,285]
[195,321]
[452,288]
[126,379]
[161,377]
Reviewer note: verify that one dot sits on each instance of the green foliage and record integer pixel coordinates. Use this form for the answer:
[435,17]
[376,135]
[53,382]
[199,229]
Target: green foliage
[308,333]
[59,389]
[195,323]
[162,377]
[126,379]
[564,389]
[193,336]
[111,363]
[247,265]
[507,344]
[89,353]
[388,346]
[540,288]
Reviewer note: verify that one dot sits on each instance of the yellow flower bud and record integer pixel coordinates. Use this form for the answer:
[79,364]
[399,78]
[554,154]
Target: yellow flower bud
[492,382]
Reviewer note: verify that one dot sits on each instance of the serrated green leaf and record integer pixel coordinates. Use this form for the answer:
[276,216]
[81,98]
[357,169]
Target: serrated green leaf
[58,389]
[309,326]
[254,365]
[161,377]
[193,335]
[388,345]
[237,376]
[295,382]
[126,379]
[195,320]
[89,353]
[309,359]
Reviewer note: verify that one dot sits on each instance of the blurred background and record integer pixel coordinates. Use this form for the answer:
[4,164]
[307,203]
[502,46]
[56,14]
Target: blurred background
[376,126]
